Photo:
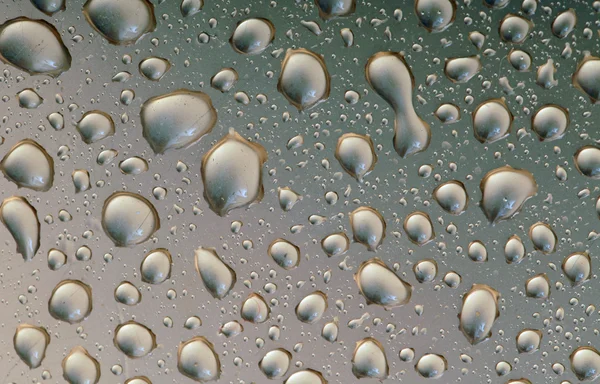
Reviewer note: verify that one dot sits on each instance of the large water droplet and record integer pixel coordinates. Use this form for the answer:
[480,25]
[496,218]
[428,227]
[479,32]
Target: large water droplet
[28,165]
[218,278]
[479,312]
[284,253]
[70,301]
[587,77]
[129,219]
[550,122]
[577,267]
[369,360]
[368,227]
[515,29]
[538,286]
[435,15]
[156,266]
[329,9]
[529,340]
[275,363]
[177,119]
[419,228]
[79,367]
[390,76]
[381,286]
[335,244]
[356,154]
[95,126]
[198,360]
[431,366]
[564,23]
[252,36]
[134,339]
[49,7]
[304,79]
[492,121]
[31,343]
[452,197]
[232,174]
[306,376]
[585,363]
[587,161]
[514,250]
[21,220]
[120,22]
[154,68]
[462,69]
[543,237]
[504,191]
[33,46]
[255,309]
[312,307]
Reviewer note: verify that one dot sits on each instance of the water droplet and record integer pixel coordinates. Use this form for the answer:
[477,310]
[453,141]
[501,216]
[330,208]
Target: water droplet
[391,78]
[288,198]
[198,360]
[335,244]
[56,259]
[452,197]
[329,9]
[191,7]
[21,220]
[545,75]
[79,367]
[504,191]
[431,366]
[550,122]
[477,252]
[330,331]
[462,69]
[81,180]
[138,380]
[120,22]
[134,339]
[585,363]
[312,307]
[492,121]
[381,286]
[56,120]
[587,161]
[28,165]
[425,271]
[275,363]
[369,360]
[564,23]
[95,126]
[435,15]
[514,29]
[29,99]
[252,36]
[586,77]
[538,286]
[49,7]
[543,237]
[177,120]
[577,267]
[448,113]
[224,80]
[218,278]
[70,301]
[519,59]
[128,294]
[514,250]
[31,343]
[133,166]
[231,329]
[231,173]
[156,266]
[129,219]
[479,312]
[304,79]
[529,340]
[356,154]
[306,376]
[368,227]
[255,309]
[33,46]
[154,68]
[419,228]
[284,253]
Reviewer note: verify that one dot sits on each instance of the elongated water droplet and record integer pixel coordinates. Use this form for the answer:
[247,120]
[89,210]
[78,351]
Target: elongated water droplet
[29,99]
[31,343]
[28,165]
[284,253]
[479,312]
[543,237]
[312,307]
[255,309]
[368,227]
[304,79]
[21,220]
[120,22]
[381,286]
[218,278]
[564,23]
[198,360]
[369,360]
[390,76]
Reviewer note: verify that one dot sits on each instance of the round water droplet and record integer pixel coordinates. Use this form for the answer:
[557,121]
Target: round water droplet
[585,363]
[478,313]
[56,259]
[156,266]
[138,380]
[30,344]
[154,68]
[306,376]
[198,360]
[520,60]
[191,7]
[28,98]
[356,154]
[275,363]
[177,120]
[477,252]
[381,286]
[587,77]
[369,360]
[491,121]
[435,15]
[120,22]
[33,46]
[21,220]
[514,250]
[255,309]
[28,165]
[95,126]
[330,331]
[134,339]
[368,227]
[252,36]
[304,79]
[504,191]
[550,122]
[79,367]
[128,294]
[218,278]
[70,301]
[529,340]
[312,307]
[419,228]
[284,253]
[431,366]
[49,7]
[452,197]
[587,161]
[448,113]
[425,271]
[391,78]
[129,219]
[335,244]
[224,80]
[231,329]
[577,267]
[543,237]
[232,174]
[515,29]
[462,69]
[538,286]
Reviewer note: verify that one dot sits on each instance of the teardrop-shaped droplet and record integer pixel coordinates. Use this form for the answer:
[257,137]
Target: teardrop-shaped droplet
[31,343]
[587,78]
[232,173]
[129,219]
[120,22]
[452,197]
[21,220]
[288,198]
[356,154]
[369,360]
[381,286]
[33,46]
[462,69]
[312,307]
[304,79]
[435,15]
[154,68]
[564,23]
[368,227]
[79,367]
[177,120]
[28,165]
[198,360]
[585,363]
[252,36]
[134,339]
[577,267]
[70,301]
[284,253]
[218,278]
[329,9]
[479,312]
[504,191]
[391,78]
[255,309]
